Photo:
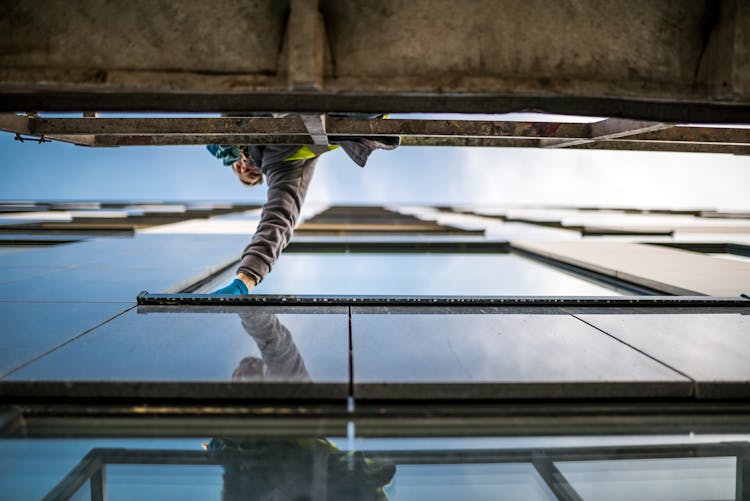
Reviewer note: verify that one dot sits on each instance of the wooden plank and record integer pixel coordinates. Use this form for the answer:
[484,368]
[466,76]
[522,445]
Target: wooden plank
[292,126]
[78,140]
[193,139]
[680,147]
[613,134]
[147,126]
[357,127]
[464,128]
[11,122]
[696,134]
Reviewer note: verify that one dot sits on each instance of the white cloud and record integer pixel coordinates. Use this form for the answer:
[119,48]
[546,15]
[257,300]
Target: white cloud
[433,175]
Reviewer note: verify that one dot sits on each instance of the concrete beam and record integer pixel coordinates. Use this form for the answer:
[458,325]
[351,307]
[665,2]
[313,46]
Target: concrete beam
[724,65]
[66,98]
[662,61]
[306,45]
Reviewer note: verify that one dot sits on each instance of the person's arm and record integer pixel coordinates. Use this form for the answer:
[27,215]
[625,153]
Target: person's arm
[276,346]
[287,186]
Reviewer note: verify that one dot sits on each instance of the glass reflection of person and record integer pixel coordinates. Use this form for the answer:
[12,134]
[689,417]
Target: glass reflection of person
[265,468]
[280,360]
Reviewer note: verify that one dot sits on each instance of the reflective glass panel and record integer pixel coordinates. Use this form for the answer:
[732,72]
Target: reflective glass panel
[418,274]
[468,355]
[705,347]
[31,329]
[304,350]
[310,466]
[653,479]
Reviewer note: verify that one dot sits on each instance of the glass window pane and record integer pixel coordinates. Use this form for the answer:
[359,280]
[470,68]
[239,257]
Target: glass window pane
[653,479]
[270,463]
[468,481]
[306,351]
[418,274]
[164,482]
[83,493]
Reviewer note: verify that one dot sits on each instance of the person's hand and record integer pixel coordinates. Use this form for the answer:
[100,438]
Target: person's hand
[236,287]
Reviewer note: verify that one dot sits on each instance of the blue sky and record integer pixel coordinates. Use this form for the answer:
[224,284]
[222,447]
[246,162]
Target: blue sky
[429,175]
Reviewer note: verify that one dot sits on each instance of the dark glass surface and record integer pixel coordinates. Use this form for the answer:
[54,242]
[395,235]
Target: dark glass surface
[471,352]
[114,269]
[31,329]
[10,275]
[83,493]
[706,347]
[232,344]
[74,254]
[94,283]
[138,250]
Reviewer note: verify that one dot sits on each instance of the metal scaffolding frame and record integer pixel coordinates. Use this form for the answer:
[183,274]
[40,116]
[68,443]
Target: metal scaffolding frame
[146,299]
[611,133]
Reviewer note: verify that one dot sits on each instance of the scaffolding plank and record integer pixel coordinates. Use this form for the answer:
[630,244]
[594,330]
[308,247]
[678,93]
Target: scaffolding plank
[681,147]
[461,128]
[14,123]
[190,139]
[612,134]
[725,135]
[257,126]
[291,126]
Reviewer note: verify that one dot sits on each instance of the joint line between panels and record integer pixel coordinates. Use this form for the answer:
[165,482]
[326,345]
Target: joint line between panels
[635,348]
[55,348]
[351,354]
